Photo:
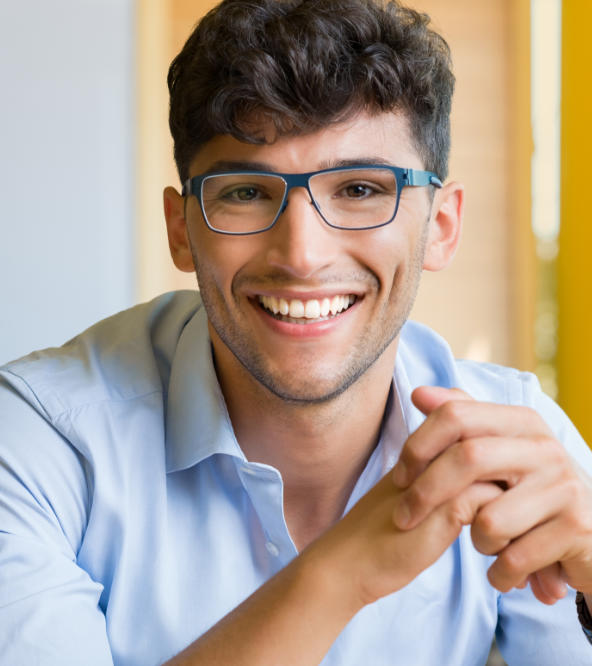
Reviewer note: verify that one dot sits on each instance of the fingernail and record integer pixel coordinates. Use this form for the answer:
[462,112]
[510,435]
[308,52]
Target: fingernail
[400,474]
[402,515]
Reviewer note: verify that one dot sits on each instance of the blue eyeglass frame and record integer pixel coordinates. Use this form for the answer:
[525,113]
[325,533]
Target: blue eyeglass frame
[404,177]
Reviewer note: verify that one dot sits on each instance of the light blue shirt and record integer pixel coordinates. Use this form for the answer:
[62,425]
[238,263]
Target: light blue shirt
[131,522]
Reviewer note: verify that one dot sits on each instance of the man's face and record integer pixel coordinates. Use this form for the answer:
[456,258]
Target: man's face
[371,275]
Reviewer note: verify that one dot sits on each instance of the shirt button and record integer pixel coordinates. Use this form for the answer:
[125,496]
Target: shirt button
[272,549]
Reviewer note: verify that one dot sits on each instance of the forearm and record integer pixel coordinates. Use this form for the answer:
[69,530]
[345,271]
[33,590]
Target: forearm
[291,620]
[296,616]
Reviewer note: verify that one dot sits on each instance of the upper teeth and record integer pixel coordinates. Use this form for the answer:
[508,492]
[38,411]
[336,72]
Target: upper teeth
[311,309]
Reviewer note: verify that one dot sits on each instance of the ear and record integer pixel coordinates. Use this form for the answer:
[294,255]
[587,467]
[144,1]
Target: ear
[444,226]
[174,212]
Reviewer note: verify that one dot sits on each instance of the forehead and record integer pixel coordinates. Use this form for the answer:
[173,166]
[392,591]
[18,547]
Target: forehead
[384,137]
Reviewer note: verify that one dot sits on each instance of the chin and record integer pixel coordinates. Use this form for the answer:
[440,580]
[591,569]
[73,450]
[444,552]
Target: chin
[312,391]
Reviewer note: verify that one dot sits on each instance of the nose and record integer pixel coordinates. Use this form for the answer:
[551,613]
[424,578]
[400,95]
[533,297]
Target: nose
[301,242]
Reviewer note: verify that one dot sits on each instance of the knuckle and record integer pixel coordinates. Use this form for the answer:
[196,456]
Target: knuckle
[454,411]
[579,515]
[459,511]
[470,452]
[554,450]
[573,522]
[512,561]
[574,490]
[413,454]
[482,544]
[489,524]
[418,496]
[417,458]
[532,420]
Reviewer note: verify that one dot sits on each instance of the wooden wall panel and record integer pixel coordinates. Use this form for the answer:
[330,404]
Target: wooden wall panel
[163,27]
[483,303]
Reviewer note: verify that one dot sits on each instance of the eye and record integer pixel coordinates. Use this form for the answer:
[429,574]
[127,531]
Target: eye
[358,191]
[244,194]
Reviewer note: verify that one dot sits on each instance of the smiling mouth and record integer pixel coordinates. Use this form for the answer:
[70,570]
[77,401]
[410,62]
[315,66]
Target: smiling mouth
[296,311]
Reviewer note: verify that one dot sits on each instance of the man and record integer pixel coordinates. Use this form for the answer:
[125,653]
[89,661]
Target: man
[214,477]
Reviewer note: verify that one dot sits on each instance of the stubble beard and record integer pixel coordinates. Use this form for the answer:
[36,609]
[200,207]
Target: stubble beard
[371,345]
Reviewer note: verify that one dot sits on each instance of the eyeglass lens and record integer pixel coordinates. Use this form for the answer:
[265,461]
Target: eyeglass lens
[247,202]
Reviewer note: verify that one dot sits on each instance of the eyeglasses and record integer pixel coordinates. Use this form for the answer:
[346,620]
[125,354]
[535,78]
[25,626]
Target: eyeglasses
[352,198]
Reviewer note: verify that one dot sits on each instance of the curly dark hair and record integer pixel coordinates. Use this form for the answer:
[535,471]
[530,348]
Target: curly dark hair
[306,64]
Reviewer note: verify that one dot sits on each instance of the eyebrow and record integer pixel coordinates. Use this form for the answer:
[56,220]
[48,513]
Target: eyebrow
[352,162]
[238,165]
[241,165]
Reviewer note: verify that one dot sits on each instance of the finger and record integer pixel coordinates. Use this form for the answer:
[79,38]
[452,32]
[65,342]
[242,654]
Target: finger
[458,420]
[539,592]
[464,463]
[428,398]
[540,497]
[533,552]
[523,584]
[551,586]
[444,524]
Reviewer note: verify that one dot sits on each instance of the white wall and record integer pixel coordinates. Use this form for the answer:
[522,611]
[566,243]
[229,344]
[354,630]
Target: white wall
[66,168]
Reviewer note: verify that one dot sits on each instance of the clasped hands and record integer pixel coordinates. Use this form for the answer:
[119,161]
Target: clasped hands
[500,469]
[495,467]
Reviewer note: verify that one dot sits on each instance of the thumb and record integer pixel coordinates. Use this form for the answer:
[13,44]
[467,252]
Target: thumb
[429,398]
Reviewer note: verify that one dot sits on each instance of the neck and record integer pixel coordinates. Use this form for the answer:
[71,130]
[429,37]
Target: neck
[319,449]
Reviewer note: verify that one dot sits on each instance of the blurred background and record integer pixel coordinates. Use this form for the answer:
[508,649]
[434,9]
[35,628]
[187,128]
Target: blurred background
[85,154]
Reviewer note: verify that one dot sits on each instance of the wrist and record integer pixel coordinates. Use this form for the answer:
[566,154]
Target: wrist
[327,567]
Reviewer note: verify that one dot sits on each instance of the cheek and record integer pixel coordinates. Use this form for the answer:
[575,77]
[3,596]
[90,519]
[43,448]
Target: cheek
[385,253]
[396,257]
[219,258]
[223,263]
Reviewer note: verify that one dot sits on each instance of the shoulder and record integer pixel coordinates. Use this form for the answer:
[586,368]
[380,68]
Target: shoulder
[99,400]
[119,358]
[79,420]
[429,360]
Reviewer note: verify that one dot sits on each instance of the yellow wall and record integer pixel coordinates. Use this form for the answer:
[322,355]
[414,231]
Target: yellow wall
[575,243]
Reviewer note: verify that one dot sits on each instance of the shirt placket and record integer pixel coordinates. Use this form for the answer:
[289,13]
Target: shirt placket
[264,486]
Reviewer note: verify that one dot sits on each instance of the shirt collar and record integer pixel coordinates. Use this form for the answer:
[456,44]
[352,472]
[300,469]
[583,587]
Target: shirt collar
[400,419]
[197,422]
[404,386]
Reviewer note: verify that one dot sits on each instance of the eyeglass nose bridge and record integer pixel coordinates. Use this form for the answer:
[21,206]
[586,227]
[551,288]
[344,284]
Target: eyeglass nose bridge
[293,181]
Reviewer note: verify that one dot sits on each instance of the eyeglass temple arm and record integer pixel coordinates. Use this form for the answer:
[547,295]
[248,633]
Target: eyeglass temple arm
[417,178]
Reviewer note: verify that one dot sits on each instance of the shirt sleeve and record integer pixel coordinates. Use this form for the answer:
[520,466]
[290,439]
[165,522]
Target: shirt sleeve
[529,632]
[49,606]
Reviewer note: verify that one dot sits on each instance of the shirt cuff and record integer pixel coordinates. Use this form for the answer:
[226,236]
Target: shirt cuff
[584,616]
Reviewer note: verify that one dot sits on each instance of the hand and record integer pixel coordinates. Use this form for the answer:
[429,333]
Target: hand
[367,550]
[540,527]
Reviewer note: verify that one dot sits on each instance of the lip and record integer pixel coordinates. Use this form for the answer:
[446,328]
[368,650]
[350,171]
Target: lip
[304,295]
[303,330]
